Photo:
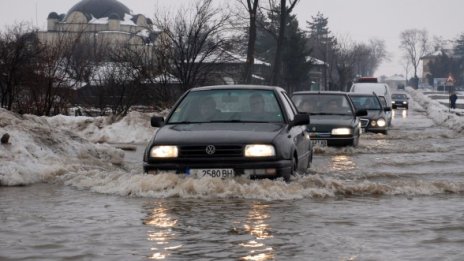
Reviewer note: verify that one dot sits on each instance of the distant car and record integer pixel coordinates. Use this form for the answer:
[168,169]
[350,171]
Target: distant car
[376,119]
[334,119]
[381,89]
[231,130]
[400,100]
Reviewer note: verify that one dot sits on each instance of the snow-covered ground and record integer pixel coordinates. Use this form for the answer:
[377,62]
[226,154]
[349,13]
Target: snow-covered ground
[42,148]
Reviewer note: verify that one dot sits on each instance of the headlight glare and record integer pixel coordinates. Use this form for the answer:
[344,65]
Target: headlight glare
[259,150]
[341,131]
[381,122]
[164,151]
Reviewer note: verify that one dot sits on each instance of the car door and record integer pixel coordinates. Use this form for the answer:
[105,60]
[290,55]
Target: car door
[298,133]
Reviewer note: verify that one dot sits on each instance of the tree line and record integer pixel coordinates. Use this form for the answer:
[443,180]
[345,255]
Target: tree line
[41,78]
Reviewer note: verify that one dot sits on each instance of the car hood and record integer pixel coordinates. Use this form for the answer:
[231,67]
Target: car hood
[328,122]
[225,133]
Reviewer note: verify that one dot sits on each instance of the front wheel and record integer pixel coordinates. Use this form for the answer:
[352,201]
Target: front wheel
[355,141]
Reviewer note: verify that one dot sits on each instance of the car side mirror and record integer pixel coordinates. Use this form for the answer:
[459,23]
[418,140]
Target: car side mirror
[300,119]
[387,109]
[361,112]
[157,121]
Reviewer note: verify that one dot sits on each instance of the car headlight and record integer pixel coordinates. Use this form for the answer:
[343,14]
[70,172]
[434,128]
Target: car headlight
[381,122]
[259,150]
[341,131]
[164,151]
[405,102]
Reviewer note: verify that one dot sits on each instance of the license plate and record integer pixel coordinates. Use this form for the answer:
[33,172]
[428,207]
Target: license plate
[319,143]
[214,173]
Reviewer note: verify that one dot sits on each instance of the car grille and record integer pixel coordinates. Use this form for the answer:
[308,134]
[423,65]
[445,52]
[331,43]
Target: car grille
[364,123]
[221,151]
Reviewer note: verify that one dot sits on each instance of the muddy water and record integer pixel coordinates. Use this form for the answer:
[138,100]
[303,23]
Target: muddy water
[395,197]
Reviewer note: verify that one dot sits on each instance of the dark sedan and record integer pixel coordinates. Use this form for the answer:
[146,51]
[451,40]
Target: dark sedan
[400,100]
[376,119]
[231,130]
[334,119]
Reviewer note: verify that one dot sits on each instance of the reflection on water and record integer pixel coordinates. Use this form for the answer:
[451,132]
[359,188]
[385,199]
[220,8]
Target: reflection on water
[342,163]
[259,228]
[399,114]
[162,235]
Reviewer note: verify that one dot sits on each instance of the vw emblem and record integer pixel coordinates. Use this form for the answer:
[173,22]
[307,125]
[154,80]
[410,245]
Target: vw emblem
[314,129]
[210,149]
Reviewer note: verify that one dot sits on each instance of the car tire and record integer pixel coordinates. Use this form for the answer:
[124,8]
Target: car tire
[355,141]
[293,170]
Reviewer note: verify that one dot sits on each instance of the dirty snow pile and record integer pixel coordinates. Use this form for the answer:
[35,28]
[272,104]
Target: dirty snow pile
[42,148]
[438,112]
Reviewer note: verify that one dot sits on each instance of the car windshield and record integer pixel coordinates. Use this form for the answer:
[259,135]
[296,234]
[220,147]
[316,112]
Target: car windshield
[366,102]
[399,96]
[383,101]
[323,104]
[227,105]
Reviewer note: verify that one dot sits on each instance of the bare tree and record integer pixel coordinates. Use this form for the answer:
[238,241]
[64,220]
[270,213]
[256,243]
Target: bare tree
[415,44]
[345,62]
[284,13]
[18,47]
[197,41]
[252,8]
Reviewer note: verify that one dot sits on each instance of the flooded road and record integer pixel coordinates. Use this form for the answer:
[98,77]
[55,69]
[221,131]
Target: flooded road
[395,197]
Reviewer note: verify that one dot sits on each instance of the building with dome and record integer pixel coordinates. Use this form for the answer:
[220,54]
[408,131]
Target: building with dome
[106,23]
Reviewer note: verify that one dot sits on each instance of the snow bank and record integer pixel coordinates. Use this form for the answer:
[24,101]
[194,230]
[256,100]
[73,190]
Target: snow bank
[134,128]
[39,151]
[438,112]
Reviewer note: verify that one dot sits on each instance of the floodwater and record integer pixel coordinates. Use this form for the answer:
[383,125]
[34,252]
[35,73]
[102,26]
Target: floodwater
[395,197]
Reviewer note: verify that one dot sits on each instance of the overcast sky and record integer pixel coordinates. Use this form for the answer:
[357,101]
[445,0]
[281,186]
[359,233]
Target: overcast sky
[360,20]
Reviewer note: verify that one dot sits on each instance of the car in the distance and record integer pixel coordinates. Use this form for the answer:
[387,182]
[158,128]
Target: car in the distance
[334,119]
[376,119]
[231,130]
[400,100]
[381,89]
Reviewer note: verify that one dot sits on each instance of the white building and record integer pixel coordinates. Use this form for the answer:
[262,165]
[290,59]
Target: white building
[102,23]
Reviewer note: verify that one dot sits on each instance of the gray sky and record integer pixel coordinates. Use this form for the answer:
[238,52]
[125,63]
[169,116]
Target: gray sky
[358,20]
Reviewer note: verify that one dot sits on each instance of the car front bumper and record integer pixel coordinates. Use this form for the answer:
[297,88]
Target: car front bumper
[335,141]
[282,168]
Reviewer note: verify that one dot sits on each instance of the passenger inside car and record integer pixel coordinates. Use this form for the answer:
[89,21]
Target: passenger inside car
[206,110]
[258,111]
[333,106]
[257,103]
[306,106]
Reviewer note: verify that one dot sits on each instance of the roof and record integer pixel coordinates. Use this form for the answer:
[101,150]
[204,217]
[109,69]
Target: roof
[320,92]
[361,94]
[100,8]
[237,86]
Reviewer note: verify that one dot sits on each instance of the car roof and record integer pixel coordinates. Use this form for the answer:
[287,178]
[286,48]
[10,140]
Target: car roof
[238,87]
[320,92]
[361,94]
